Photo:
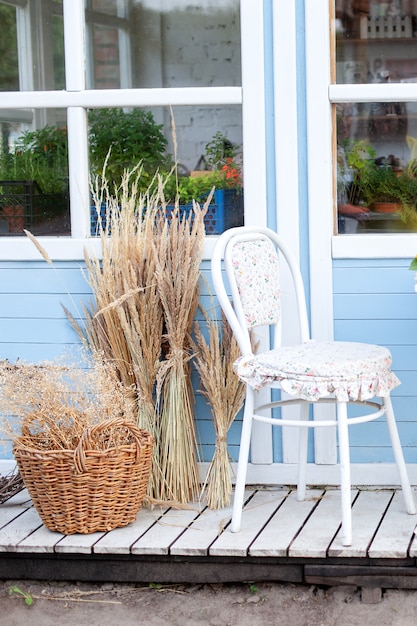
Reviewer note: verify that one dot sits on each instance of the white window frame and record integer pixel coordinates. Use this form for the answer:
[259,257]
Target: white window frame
[76,99]
[321,94]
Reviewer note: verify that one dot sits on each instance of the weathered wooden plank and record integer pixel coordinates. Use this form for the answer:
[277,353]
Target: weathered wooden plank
[14,506]
[41,541]
[278,534]
[256,514]
[196,540]
[395,533]
[315,537]
[78,543]
[165,531]
[120,540]
[367,512]
[392,577]
[21,527]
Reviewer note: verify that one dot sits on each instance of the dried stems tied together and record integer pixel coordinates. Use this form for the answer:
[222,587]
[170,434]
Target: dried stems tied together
[225,393]
[146,294]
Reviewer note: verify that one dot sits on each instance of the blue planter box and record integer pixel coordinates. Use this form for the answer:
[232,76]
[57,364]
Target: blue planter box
[225,211]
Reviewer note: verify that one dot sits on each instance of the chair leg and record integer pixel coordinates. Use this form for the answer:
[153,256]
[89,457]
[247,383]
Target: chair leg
[243,461]
[399,457]
[345,482]
[302,455]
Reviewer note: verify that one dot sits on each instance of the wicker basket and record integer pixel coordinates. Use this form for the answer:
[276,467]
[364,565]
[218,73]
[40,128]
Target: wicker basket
[97,486]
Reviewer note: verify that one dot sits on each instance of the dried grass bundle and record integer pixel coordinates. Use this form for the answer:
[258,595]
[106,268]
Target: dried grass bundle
[178,256]
[125,321]
[225,392]
[146,294]
[48,406]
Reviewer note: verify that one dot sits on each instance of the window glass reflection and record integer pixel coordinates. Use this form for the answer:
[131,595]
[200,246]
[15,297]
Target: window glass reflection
[193,149]
[376,142]
[376,41]
[173,43]
[34,180]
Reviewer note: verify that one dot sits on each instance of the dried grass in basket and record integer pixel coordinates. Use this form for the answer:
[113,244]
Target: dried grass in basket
[98,486]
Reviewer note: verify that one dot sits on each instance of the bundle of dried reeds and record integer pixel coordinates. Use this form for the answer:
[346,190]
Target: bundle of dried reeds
[125,322]
[225,392]
[178,256]
[145,290]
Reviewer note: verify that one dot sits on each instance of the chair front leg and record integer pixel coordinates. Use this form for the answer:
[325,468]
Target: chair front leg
[345,481]
[399,457]
[243,460]
[302,454]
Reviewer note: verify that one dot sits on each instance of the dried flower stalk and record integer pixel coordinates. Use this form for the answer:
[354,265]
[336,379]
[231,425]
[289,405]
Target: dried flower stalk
[225,392]
[49,405]
[178,256]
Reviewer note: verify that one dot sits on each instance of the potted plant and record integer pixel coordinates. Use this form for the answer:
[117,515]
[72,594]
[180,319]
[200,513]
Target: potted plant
[122,139]
[221,171]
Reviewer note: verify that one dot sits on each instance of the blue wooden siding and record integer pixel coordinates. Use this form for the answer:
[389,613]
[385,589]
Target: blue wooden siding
[34,327]
[374,301]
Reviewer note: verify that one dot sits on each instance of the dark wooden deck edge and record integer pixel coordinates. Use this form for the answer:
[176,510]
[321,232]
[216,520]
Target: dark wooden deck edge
[390,574]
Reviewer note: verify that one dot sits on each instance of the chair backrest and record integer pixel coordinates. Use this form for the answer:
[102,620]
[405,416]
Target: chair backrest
[252,268]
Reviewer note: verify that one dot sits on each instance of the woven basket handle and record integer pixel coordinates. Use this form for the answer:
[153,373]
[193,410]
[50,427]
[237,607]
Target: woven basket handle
[90,434]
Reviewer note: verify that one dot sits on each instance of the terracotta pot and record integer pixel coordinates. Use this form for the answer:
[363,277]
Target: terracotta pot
[386,207]
[15,216]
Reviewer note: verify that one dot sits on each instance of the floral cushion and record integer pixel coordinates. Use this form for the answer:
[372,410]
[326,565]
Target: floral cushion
[256,270]
[314,370]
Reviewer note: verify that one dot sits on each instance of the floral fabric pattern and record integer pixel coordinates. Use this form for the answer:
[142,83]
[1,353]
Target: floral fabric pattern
[256,269]
[314,370]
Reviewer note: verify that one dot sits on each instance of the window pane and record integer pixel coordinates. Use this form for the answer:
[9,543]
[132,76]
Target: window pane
[207,150]
[173,44]
[34,177]
[377,141]
[377,166]
[9,69]
[375,41]
[39,35]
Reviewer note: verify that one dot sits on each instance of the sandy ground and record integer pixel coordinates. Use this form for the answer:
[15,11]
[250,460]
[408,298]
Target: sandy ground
[189,605]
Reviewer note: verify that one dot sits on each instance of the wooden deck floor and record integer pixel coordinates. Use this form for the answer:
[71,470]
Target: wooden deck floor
[281,539]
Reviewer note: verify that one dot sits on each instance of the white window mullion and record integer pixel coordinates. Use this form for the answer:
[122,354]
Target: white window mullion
[78,166]
[320,197]
[254,163]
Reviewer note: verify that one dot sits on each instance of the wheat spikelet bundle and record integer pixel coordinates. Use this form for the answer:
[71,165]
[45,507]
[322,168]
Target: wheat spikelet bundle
[178,257]
[214,360]
[125,321]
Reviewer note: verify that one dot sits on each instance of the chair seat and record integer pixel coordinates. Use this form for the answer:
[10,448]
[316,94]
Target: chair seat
[316,369]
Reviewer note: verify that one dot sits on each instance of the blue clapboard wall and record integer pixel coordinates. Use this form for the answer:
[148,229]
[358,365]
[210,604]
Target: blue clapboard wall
[374,301]
[34,327]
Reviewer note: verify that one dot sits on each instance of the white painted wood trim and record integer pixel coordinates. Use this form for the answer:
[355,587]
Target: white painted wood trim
[6,466]
[254,161]
[253,111]
[74,36]
[363,474]
[286,177]
[320,195]
[388,246]
[373,92]
[91,98]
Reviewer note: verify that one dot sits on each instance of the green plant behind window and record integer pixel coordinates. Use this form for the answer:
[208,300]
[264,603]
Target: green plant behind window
[132,137]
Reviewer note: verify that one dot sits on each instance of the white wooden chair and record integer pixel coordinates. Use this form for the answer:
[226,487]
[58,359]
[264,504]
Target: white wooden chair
[310,372]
